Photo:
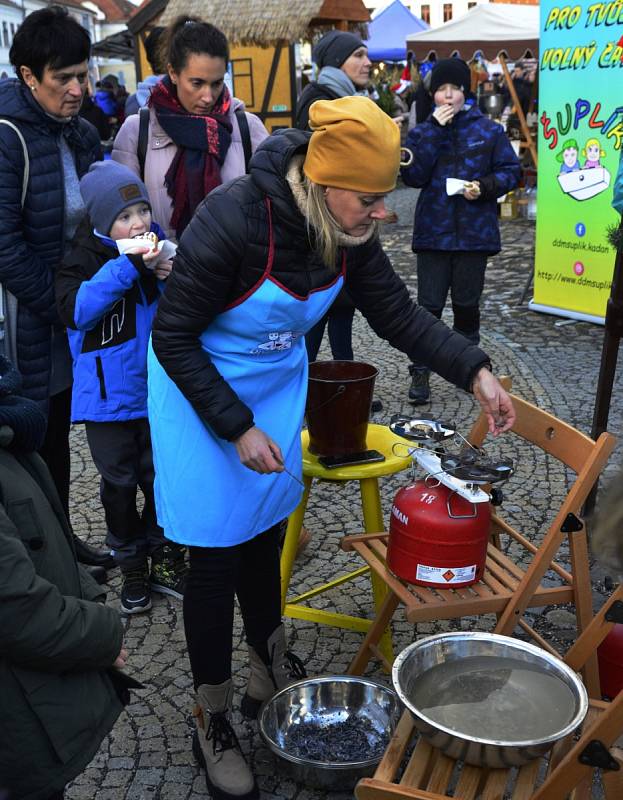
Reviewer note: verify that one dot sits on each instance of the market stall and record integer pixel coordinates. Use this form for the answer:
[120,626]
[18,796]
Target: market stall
[387,32]
[497,30]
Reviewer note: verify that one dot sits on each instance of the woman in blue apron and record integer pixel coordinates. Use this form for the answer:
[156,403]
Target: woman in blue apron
[258,266]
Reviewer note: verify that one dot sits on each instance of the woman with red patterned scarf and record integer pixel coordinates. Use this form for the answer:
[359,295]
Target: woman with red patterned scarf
[194,139]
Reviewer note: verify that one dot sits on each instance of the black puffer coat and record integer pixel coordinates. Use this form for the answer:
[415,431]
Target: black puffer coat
[32,240]
[312,92]
[222,256]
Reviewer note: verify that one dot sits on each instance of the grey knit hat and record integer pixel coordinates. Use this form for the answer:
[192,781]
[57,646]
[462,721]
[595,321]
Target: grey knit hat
[108,188]
[334,48]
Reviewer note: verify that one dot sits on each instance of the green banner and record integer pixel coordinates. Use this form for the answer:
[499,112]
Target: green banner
[580,138]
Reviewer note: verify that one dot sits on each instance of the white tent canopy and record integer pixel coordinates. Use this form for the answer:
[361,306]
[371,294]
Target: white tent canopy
[491,28]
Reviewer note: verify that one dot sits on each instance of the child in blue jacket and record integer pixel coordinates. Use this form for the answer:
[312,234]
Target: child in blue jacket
[108,302]
[454,235]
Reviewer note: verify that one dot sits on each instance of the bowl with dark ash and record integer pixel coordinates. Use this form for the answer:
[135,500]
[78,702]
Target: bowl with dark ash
[330,731]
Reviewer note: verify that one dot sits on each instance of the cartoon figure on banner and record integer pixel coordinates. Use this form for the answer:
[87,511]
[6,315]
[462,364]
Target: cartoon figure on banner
[585,182]
[593,154]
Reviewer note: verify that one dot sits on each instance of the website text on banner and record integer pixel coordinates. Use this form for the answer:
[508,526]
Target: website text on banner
[580,138]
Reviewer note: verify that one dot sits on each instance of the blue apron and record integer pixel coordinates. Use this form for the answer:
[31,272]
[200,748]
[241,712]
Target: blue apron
[204,495]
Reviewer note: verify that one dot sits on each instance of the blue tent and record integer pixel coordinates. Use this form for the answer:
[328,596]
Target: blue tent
[389,29]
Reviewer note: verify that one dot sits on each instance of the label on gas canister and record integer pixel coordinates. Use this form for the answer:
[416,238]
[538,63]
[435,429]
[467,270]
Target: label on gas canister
[445,574]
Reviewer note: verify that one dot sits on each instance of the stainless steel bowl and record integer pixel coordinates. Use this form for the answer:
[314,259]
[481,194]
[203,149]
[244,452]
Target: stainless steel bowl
[323,702]
[415,661]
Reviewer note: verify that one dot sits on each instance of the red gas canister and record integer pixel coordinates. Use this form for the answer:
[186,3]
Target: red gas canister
[610,658]
[436,537]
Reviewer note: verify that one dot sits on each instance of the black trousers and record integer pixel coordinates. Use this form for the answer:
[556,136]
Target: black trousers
[122,454]
[463,276]
[248,571]
[55,448]
[340,321]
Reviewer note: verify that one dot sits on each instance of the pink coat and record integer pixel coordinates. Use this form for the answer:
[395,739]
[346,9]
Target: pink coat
[160,153]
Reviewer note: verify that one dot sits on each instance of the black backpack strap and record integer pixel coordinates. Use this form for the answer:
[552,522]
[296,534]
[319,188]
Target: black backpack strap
[245,135]
[143,136]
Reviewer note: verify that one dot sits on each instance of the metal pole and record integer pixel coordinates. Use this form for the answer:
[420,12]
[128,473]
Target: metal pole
[609,355]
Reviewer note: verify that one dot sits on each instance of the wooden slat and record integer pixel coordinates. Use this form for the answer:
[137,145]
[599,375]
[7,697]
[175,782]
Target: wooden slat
[441,774]
[469,783]
[347,542]
[420,764]
[388,766]
[526,780]
[514,570]
[496,784]
[371,789]
[425,595]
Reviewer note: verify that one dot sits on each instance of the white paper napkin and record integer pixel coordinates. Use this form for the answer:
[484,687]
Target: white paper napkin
[455,186]
[166,249]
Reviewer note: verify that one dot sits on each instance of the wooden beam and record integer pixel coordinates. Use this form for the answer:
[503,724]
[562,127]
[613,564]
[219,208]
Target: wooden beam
[518,109]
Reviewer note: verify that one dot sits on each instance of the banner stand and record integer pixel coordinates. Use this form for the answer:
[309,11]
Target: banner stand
[561,312]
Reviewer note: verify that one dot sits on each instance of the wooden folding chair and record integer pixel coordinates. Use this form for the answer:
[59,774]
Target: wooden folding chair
[507,589]
[423,773]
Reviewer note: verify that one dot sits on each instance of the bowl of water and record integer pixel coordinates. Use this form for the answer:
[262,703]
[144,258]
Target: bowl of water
[486,699]
[330,731]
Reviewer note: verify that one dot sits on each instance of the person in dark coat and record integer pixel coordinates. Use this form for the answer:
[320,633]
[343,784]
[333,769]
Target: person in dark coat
[258,265]
[60,646]
[90,111]
[343,66]
[50,54]
[454,233]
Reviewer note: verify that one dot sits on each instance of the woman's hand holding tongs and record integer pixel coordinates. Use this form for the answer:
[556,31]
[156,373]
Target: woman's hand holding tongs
[259,452]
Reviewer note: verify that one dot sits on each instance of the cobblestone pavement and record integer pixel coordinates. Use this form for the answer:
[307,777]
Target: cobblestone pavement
[554,365]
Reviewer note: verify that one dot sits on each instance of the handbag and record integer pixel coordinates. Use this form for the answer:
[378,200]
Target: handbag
[8,301]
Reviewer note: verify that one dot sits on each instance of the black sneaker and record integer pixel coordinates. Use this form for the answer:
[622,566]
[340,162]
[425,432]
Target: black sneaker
[419,390]
[168,571]
[135,594]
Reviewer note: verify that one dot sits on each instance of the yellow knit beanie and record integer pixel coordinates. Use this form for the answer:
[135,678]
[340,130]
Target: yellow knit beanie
[354,145]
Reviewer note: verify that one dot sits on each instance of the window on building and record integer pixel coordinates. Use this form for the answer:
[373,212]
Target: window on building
[425,14]
[471,5]
[447,12]
[5,34]
[13,30]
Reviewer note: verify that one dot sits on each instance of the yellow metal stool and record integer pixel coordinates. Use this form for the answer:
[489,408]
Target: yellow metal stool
[380,438]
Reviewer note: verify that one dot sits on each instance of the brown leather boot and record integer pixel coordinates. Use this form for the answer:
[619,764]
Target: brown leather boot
[282,669]
[216,746]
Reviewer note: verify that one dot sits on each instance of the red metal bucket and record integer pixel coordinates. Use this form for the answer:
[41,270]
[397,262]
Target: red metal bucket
[339,397]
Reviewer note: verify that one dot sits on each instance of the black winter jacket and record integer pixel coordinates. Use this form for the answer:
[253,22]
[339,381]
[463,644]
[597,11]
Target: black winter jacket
[312,92]
[32,240]
[222,256]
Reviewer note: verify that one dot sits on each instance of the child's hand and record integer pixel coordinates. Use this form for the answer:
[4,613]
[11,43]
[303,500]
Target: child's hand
[149,255]
[163,270]
[443,114]
[472,190]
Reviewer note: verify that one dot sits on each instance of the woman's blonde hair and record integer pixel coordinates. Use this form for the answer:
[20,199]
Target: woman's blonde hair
[321,225]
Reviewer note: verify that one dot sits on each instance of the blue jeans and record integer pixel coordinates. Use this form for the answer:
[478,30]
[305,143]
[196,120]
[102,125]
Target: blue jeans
[463,275]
